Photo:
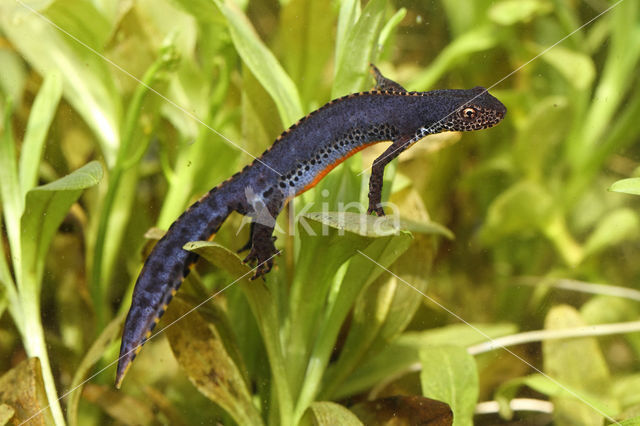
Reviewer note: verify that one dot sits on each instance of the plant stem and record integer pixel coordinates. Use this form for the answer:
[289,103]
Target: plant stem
[541,335]
[35,345]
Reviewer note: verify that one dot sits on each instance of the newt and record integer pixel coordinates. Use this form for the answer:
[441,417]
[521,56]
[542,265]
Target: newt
[298,159]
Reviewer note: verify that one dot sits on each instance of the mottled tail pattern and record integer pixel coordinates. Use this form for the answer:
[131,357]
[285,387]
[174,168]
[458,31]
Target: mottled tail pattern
[164,270]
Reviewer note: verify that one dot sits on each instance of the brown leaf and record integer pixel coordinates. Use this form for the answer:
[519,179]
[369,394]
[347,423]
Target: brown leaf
[404,410]
[22,389]
[197,346]
[124,408]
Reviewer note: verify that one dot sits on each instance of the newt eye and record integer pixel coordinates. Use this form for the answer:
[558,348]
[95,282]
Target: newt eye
[469,113]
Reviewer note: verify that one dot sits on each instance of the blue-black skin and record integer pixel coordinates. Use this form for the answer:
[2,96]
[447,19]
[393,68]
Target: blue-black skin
[299,158]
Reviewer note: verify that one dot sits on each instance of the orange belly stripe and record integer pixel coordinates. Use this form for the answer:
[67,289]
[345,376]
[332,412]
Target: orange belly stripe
[333,165]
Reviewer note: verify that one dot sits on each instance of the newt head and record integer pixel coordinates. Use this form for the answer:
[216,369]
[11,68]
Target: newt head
[474,109]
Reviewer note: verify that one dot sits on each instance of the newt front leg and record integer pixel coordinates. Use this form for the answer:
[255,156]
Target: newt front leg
[377,174]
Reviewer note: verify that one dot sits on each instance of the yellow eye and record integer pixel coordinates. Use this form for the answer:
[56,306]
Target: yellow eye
[469,113]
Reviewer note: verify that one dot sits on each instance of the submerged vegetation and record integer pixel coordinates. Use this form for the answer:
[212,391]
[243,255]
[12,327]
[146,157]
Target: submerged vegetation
[509,288]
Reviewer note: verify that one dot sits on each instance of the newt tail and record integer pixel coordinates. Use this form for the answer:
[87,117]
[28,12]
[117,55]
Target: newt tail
[299,158]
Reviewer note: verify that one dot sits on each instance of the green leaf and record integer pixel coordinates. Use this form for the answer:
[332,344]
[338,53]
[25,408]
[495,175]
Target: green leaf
[203,10]
[312,286]
[403,353]
[373,226]
[509,12]
[627,186]
[449,375]
[617,226]
[525,207]
[635,421]
[545,128]
[371,306]
[12,202]
[6,413]
[45,208]
[262,63]
[265,309]
[577,68]
[390,26]
[476,40]
[87,80]
[359,48]
[12,78]
[306,42]
[578,363]
[325,413]
[626,390]
[197,346]
[347,17]
[40,117]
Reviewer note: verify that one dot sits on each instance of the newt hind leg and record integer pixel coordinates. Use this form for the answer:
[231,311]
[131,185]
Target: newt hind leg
[263,249]
[261,245]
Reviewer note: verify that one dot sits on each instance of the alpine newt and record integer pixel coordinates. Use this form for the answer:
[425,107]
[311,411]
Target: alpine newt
[298,159]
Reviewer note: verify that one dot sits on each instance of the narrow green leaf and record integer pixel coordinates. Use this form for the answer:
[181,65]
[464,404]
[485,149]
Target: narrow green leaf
[509,12]
[12,202]
[327,413]
[202,10]
[616,227]
[476,40]
[263,63]
[360,48]
[373,226]
[627,186]
[12,205]
[390,26]
[13,76]
[360,272]
[311,285]
[40,117]
[45,208]
[449,375]
[347,17]
[306,42]
[87,80]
